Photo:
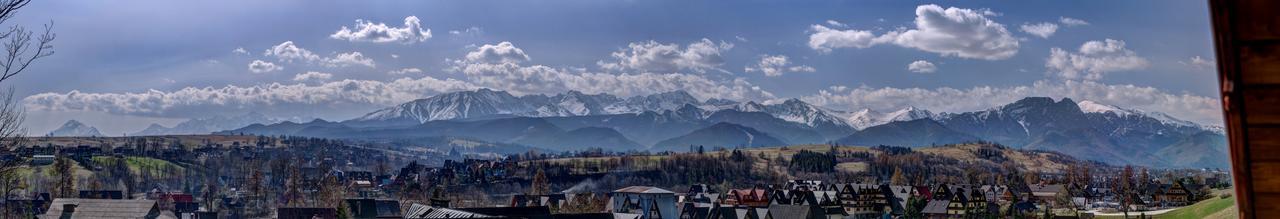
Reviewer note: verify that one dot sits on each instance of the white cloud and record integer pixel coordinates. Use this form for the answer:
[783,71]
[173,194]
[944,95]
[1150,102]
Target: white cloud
[289,52]
[240,51]
[405,71]
[835,23]
[1093,59]
[198,102]
[312,76]
[652,56]
[504,52]
[367,31]
[825,38]
[526,79]
[922,66]
[1200,63]
[1200,109]
[959,32]
[741,39]
[469,31]
[776,65]
[1071,22]
[1042,30]
[348,59]
[259,66]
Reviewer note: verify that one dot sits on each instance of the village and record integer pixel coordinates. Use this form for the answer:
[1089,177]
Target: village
[296,177]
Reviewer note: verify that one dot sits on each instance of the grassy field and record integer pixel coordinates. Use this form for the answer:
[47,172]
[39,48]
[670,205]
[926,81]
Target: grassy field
[139,164]
[1215,207]
[1204,209]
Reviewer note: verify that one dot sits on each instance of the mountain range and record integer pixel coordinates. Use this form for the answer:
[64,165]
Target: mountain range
[73,128]
[207,125]
[677,121]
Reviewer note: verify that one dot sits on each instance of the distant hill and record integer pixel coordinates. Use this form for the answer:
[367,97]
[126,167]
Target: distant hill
[73,128]
[723,134]
[207,125]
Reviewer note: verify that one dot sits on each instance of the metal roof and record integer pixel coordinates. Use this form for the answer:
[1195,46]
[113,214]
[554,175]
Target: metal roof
[423,211]
[643,189]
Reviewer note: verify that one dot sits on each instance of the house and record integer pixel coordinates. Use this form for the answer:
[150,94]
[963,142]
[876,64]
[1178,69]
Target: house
[104,208]
[306,213]
[649,202]
[373,208]
[42,159]
[1046,193]
[1175,194]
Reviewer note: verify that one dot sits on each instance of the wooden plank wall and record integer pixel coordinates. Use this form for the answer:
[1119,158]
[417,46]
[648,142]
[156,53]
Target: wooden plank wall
[1247,38]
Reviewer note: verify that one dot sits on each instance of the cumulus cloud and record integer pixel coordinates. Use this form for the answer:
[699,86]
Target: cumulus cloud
[348,59]
[922,66]
[198,102]
[289,52]
[776,65]
[240,51]
[405,71]
[1093,59]
[959,32]
[1199,63]
[835,23]
[825,39]
[1042,30]
[367,31]
[525,79]
[504,52]
[312,76]
[652,56]
[1200,109]
[1071,22]
[259,66]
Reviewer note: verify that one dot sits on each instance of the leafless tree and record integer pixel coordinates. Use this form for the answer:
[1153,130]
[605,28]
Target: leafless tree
[21,49]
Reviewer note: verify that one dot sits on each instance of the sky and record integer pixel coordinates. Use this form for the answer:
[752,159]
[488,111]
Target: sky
[121,65]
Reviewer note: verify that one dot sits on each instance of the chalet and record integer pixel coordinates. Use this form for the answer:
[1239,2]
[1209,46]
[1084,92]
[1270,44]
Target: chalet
[104,208]
[1175,194]
[959,203]
[649,202]
[751,198]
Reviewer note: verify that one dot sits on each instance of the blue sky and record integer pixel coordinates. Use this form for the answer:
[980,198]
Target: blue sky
[122,65]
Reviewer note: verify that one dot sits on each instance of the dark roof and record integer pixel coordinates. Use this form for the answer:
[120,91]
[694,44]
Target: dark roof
[306,213]
[936,207]
[530,212]
[104,208]
[794,212]
[371,208]
[583,216]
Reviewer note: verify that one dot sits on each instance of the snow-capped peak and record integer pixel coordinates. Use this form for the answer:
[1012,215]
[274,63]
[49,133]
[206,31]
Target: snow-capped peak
[1089,106]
